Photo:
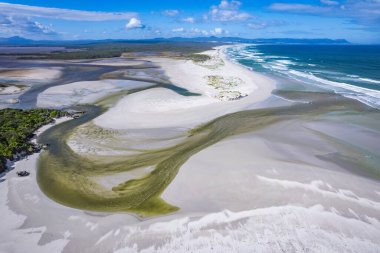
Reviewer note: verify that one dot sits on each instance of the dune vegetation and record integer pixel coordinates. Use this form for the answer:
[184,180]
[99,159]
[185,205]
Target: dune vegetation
[17,127]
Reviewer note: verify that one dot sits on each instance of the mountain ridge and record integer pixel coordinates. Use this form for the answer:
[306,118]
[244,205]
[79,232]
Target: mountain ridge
[20,41]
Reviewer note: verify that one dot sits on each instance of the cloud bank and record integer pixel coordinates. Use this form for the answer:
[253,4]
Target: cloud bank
[20,10]
[21,26]
[170,13]
[360,11]
[17,19]
[227,11]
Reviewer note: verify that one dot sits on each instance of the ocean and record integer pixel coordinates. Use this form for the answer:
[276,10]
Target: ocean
[350,70]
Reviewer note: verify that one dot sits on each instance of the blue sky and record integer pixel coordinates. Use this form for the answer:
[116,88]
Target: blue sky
[355,20]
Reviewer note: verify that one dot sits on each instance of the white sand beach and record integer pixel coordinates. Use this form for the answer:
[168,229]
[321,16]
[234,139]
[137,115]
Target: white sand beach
[162,108]
[15,81]
[83,92]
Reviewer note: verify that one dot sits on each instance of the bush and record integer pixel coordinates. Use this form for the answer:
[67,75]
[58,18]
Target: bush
[17,127]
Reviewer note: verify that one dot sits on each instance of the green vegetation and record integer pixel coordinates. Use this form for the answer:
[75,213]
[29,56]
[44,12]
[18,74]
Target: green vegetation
[133,49]
[228,95]
[199,57]
[213,62]
[219,82]
[17,127]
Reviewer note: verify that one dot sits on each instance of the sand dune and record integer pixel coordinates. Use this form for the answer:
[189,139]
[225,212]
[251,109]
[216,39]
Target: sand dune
[160,108]
[83,92]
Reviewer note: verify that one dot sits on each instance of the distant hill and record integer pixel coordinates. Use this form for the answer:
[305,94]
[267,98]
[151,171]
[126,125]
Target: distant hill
[16,40]
[258,41]
[19,41]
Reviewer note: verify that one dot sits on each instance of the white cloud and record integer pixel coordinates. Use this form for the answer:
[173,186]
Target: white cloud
[198,31]
[134,23]
[180,29]
[190,20]
[218,31]
[195,30]
[258,25]
[232,5]
[300,8]
[21,10]
[201,32]
[170,13]
[228,11]
[25,27]
[204,32]
[366,12]
[329,2]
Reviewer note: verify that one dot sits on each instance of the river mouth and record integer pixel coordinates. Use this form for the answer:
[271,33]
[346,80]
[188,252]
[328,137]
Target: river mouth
[73,179]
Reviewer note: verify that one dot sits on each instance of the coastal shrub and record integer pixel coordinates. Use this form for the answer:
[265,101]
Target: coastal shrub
[97,50]
[220,82]
[199,57]
[230,95]
[17,127]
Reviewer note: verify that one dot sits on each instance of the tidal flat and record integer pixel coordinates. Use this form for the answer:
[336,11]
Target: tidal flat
[159,159]
[73,175]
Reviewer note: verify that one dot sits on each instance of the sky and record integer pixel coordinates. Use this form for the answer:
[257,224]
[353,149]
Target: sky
[358,21]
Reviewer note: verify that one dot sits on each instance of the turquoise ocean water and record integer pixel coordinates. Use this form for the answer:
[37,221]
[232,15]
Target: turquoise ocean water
[351,70]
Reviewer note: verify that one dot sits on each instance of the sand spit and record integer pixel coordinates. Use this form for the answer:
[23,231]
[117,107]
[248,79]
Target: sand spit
[30,74]
[90,139]
[162,108]
[116,62]
[83,92]
[11,89]
[122,62]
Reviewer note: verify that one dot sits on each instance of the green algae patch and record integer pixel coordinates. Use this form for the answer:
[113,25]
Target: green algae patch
[67,178]
[70,178]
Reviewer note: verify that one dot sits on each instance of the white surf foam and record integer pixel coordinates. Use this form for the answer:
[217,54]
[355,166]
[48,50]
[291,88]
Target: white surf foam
[282,65]
[273,229]
[369,80]
[368,96]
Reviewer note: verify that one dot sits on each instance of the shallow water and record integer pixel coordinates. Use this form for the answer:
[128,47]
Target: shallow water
[69,178]
[71,72]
